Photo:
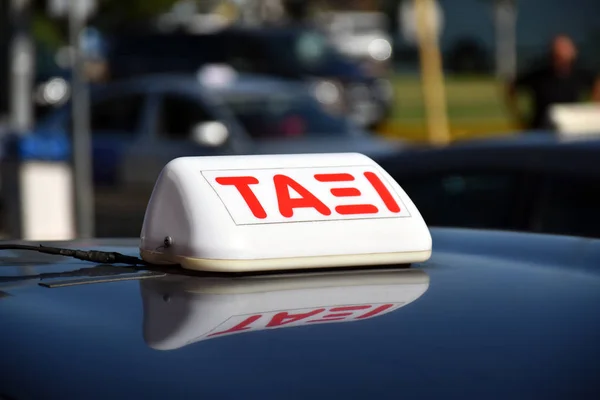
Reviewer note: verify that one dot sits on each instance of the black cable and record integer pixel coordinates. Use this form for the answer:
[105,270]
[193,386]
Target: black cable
[95,256]
[79,273]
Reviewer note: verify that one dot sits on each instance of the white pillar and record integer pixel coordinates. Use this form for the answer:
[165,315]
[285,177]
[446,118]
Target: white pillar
[47,209]
[37,188]
[81,136]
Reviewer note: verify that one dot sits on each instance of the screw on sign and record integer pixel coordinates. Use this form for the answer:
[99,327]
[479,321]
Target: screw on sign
[280,319]
[284,196]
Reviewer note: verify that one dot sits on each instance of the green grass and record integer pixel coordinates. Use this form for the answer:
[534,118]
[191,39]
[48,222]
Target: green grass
[476,99]
[475,107]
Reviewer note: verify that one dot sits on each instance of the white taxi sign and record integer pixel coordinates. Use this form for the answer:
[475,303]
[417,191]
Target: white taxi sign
[179,311]
[277,212]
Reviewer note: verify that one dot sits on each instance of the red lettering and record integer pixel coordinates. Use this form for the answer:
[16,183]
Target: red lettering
[242,184]
[283,184]
[350,209]
[283,318]
[376,311]
[287,204]
[354,209]
[334,177]
[383,192]
[242,326]
[345,192]
[340,313]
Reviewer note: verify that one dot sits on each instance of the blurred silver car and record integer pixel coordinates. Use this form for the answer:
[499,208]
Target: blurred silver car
[138,125]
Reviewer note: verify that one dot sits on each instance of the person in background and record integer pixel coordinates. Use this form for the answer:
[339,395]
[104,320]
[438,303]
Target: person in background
[560,80]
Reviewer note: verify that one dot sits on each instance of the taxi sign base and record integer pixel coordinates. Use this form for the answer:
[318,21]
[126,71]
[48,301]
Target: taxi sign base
[272,264]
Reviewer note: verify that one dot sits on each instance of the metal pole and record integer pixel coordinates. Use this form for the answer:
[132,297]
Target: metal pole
[80,136]
[5,35]
[506,44]
[432,74]
[22,61]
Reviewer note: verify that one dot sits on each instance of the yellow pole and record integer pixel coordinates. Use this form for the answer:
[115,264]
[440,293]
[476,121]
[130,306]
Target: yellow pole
[432,74]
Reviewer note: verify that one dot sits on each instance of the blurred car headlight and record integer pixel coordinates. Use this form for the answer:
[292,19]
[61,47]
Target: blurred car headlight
[380,49]
[327,92]
[217,75]
[54,92]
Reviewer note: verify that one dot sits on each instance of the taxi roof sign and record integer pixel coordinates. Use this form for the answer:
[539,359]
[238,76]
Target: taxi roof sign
[280,212]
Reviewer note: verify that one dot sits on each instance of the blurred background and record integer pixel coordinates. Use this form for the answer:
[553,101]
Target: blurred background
[96,96]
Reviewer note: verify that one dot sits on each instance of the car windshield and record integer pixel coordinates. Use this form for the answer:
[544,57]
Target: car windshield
[284,116]
[309,50]
[46,65]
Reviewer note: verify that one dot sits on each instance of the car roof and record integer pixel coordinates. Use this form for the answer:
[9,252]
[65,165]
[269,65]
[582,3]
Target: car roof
[539,151]
[502,315]
[245,83]
[270,30]
[127,43]
[234,29]
[535,138]
[260,85]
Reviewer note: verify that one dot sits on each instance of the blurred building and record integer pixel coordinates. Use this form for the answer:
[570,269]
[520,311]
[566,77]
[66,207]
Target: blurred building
[469,40]
[537,22]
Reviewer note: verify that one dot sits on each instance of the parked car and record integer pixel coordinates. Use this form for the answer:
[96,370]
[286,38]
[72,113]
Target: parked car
[51,82]
[360,35]
[290,53]
[535,182]
[140,124]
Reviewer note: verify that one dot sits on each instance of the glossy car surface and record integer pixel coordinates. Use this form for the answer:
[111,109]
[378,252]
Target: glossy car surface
[490,315]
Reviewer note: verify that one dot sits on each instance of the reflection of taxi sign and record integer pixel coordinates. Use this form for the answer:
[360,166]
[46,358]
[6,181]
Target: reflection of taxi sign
[576,120]
[277,212]
[180,311]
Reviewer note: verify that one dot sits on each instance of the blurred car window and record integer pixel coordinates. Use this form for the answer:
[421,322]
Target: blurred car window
[245,53]
[284,115]
[474,200]
[308,50]
[179,115]
[285,53]
[119,114]
[142,54]
[569,206]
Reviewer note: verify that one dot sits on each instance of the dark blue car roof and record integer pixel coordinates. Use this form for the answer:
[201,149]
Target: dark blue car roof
[535,138]
[537,151]
[244,84]
[499,315]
